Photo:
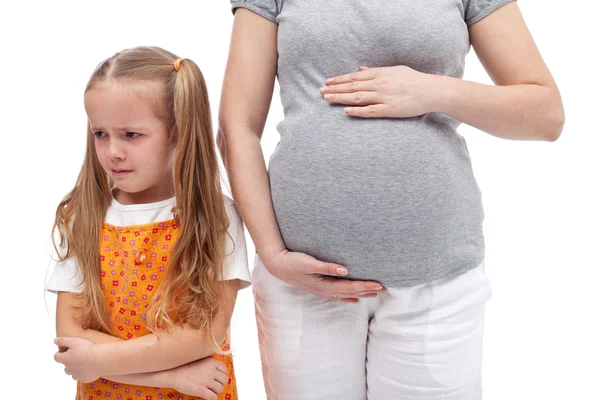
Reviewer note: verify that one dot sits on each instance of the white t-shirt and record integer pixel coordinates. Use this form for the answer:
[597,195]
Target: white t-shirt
[67,277]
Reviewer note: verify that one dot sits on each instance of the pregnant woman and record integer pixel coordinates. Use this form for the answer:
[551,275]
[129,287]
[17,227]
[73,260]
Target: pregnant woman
[369,277]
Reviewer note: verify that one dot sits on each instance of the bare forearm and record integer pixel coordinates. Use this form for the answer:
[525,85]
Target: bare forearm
[168,349]
[521,112]
[135,360]
[162,379]
[152,379]
[93,336]
[250,186]
[242,114]
[152,353]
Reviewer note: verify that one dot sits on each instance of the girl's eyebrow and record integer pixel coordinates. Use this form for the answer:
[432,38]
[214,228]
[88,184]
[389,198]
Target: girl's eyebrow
[129,128]
[120,129]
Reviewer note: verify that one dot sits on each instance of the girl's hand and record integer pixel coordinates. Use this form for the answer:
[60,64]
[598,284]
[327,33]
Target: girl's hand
[77,359]
[320,278]
[203,378]
[395,92]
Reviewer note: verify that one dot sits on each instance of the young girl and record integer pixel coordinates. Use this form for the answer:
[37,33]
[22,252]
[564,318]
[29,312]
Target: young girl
[151,253]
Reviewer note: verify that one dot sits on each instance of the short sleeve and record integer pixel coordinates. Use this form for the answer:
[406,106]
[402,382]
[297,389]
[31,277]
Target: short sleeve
[236,254]
[478,9]
[66,276]
[266,8]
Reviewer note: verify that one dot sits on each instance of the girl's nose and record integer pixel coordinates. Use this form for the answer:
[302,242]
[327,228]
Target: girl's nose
[116,150]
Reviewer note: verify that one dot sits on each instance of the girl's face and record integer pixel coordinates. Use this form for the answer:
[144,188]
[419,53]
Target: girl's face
[132,139]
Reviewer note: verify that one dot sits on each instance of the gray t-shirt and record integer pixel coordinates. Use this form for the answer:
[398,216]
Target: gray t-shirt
[392,199]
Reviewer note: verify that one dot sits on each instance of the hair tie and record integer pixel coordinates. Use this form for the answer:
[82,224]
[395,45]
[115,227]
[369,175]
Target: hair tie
[177,64]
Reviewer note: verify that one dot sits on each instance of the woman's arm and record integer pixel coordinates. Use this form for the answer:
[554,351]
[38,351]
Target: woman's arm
[152,352]
[243,111]
[525,104]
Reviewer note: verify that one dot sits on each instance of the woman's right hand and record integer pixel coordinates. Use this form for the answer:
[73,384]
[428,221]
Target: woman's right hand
[205,378]
[318,277]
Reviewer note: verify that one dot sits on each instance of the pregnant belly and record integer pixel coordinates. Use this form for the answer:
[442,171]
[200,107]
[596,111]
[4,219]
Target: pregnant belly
[377,208]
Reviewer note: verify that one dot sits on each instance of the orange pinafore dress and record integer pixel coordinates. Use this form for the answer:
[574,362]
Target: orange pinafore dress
[133,263]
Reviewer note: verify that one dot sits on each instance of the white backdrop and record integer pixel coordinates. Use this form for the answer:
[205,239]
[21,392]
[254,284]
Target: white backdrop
[541,199]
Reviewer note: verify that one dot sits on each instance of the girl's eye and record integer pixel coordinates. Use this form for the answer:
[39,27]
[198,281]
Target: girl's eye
[132,134]
[99,134]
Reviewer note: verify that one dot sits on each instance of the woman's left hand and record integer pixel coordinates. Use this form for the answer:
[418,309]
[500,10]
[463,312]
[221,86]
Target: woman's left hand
[78,359]
[394,92]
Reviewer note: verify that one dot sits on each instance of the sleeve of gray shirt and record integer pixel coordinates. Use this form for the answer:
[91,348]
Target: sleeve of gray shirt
[266,8]
[478,9]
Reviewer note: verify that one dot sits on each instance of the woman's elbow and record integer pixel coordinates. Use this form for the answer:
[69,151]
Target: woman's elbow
[556,122]
[555,118]
[548,122]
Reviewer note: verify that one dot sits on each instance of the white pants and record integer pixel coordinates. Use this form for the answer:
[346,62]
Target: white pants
[420,342]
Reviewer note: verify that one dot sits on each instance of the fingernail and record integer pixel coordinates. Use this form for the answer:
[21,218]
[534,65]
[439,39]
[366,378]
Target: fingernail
[379,288]
[341,271]
[328,96]
[329,80]
[55,340]
[322,90]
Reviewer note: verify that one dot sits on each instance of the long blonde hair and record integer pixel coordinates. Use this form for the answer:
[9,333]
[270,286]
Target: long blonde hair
[189,290]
